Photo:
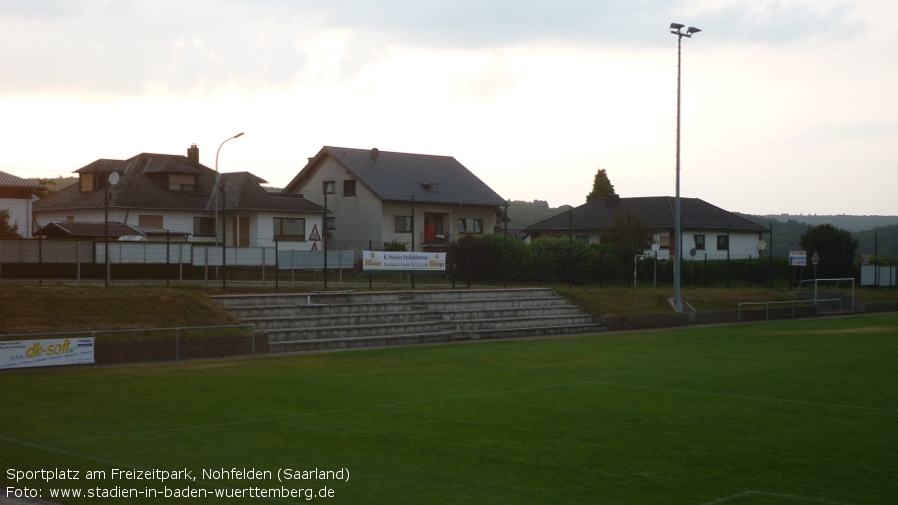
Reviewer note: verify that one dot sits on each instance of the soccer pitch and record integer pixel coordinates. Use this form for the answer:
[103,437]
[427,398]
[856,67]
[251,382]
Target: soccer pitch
[797,412]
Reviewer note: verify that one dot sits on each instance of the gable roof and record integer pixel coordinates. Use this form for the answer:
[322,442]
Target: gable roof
[399,176]
[143,185]
[11,181]
[81,229]
[654,211]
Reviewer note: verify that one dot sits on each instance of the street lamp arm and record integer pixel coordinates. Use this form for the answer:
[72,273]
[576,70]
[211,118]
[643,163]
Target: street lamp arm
[222,145]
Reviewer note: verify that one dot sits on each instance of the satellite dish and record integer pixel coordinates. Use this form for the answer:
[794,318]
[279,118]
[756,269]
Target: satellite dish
[113,178]
[762,245]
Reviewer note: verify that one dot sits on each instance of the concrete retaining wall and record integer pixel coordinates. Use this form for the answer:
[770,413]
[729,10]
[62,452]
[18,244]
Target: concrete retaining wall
[645,322]
[732,316]
[879,307]
[142,351]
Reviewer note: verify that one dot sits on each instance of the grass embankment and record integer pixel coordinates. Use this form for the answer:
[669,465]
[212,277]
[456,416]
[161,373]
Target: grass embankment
[632,302]
[44,309]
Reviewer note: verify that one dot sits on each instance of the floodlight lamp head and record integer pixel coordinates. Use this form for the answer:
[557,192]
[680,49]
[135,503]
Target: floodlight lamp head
[676,26]
[238,135]
[692,30]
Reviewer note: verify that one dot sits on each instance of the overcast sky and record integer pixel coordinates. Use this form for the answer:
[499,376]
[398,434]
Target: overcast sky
[787,106]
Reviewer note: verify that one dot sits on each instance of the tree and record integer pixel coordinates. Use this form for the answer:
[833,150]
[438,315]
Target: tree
[7,231]
[601,186]
[835,246]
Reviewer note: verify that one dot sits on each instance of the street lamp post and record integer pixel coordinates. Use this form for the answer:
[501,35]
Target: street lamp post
[215,189]
[677,29]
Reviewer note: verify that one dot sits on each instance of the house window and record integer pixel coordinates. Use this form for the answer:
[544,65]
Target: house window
[470,226]
[403,224]
[203,227]
[699,242]
[723,242]
[331,222]
[181,182]
[664,242]
[290,228]
[329,187]
[150,221]
[429,187]
[349,188]
[70,218]
[583,238]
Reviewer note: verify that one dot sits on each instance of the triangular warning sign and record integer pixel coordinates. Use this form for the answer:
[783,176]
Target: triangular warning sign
[315,235]
[314,246]
[815,257]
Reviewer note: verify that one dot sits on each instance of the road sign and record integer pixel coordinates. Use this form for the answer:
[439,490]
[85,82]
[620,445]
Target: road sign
[815,258]
[798,258]
[864,260]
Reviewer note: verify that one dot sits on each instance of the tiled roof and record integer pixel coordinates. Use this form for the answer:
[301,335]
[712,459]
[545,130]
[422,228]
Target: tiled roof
[11,181]
[654,211]
[399,176]
[142,185]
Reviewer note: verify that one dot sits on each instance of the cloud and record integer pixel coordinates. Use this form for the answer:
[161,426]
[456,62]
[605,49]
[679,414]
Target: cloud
[205,46]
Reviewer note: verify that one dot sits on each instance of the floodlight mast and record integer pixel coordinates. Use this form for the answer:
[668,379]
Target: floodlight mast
[677,29]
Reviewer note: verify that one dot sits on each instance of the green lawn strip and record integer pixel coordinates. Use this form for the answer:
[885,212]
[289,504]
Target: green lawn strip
[804,409]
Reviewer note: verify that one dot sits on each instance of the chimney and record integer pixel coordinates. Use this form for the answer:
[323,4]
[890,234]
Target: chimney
[612,200]
[374,154]
[193,155]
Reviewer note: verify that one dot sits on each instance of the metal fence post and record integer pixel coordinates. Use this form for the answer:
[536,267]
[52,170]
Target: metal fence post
[177,344]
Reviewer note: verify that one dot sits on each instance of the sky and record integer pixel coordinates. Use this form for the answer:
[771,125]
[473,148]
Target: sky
[788,106]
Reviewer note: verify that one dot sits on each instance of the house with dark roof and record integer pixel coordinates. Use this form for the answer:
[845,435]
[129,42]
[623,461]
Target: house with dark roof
[165,196]
[424,201]
[708,229]
[16,198]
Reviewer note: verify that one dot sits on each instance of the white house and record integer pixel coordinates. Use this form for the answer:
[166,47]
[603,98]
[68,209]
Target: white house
[16,198]
[164,195]
[713,232]
[424,201]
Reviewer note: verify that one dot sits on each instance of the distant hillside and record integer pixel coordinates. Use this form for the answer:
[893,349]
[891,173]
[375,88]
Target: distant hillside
[523,214]
[787,230]
[53,185]
[851,223]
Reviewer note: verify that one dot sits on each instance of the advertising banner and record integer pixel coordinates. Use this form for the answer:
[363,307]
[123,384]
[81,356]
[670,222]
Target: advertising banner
[46,352]
[405,262]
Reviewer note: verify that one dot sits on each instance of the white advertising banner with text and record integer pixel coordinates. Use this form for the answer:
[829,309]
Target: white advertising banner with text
[401,261]
[46,352]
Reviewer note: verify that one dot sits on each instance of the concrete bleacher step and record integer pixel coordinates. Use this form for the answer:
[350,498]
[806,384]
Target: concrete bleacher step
[294,322]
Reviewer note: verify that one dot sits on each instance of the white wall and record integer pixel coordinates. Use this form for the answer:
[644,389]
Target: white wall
[357,218]
[742,245]
[261,224]
[453,211]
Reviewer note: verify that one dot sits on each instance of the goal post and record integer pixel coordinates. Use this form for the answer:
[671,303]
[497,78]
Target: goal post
[839,282]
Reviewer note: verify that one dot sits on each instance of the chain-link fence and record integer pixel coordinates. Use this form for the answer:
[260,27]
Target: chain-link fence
[493,260]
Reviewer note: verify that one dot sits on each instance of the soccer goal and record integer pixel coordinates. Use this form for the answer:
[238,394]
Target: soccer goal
[829,285]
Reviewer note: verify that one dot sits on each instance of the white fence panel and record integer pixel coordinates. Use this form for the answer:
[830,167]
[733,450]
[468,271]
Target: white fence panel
[46,251]
[142,252]
[234,256]
[314,259]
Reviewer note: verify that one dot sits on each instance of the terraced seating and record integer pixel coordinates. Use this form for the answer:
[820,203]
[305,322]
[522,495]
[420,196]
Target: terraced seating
[323,320]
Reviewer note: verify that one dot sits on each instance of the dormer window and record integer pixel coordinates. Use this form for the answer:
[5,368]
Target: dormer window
[87,182]
[429,187]
[181,182]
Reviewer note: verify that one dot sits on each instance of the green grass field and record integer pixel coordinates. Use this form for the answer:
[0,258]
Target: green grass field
[778,413]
